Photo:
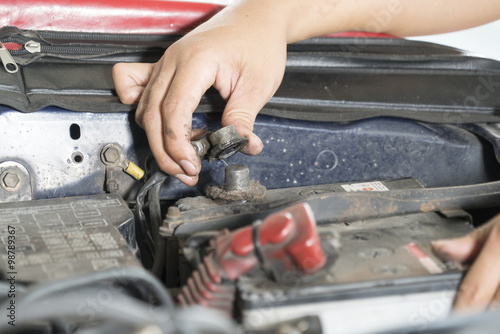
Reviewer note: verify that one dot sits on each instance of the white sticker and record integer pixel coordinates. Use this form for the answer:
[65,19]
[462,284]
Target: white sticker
[368,186]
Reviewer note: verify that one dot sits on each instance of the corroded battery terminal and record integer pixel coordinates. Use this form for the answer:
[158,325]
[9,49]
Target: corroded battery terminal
[220,144]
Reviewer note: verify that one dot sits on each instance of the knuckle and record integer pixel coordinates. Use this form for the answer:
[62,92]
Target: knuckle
[242,119]
[146,117]
[188,52]
[175,103]
[170,105]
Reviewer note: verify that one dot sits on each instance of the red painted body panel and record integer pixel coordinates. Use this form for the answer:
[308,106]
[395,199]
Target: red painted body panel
[106,16]
[115,16]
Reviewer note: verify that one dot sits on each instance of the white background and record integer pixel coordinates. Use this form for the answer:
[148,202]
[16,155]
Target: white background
[482,41]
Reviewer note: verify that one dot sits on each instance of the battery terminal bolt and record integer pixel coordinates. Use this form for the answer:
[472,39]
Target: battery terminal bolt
[111,155]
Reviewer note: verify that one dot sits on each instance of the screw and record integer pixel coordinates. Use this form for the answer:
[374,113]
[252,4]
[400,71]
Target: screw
[10,181]
[111,155]
[237,177]
[201,146]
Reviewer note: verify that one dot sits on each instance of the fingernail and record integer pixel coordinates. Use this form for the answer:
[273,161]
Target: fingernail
[185,178]
[188,167]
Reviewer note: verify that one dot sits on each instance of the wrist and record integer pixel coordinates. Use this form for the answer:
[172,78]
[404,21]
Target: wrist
[297,20]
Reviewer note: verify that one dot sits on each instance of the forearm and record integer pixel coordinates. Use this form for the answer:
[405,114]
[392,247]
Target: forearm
[302,19]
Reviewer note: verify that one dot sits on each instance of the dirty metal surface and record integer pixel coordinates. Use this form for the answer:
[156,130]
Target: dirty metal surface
[340,207]
[61,149]
[201,213]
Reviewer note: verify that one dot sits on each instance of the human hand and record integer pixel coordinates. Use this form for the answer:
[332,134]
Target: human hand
[480,249]
[242,55]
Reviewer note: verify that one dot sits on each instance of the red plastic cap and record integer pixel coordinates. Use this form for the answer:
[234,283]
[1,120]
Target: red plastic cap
[295,230]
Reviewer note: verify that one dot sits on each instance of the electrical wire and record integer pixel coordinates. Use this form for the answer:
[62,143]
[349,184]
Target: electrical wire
[130,275]
[119,312]
[5,288]
[157,178]
[156,221]
[119,309]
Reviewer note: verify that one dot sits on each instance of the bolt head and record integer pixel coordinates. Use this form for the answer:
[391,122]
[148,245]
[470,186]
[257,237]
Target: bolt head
[10,180]
[198,147]
[111,155]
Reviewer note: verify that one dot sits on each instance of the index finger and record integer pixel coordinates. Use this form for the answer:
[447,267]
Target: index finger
[183,96]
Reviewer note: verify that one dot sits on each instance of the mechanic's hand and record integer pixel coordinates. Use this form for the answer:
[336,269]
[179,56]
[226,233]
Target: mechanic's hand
[481,250]
[242,57]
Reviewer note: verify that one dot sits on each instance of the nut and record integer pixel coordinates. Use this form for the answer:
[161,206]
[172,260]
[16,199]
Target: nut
[10,180]
[224,135]
[111,155]
[201,146]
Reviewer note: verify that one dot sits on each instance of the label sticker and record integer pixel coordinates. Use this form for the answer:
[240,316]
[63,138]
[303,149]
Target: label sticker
[426,261]
[367,186]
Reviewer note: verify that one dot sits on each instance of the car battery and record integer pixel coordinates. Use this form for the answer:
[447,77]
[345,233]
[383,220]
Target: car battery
[65,237]
[383,275]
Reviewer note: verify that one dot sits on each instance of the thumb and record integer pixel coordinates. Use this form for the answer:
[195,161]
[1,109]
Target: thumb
[241,110]
[466,248]
[130,79]
[243,122]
